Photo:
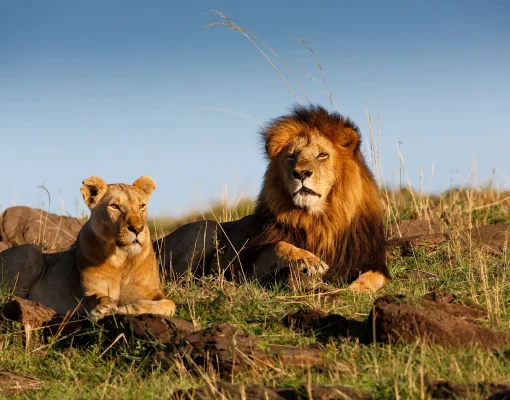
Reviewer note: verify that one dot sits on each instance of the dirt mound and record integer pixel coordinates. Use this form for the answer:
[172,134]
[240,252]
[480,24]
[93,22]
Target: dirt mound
[222,346]
[436,318]
[421,233]
[440,389]
[19,225]
[223,390]
[414,227]
[15,383]
[432,319]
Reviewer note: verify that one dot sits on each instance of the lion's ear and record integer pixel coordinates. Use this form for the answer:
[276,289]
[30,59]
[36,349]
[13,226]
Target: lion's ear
[278,135]
[350,139]
[145,184]
[92,190]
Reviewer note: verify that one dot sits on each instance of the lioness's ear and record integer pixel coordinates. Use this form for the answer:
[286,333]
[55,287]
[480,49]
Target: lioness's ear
[278,134]
[349,138]
[92,190]
[146,184]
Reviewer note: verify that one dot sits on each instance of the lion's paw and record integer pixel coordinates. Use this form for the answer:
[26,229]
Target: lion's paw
[313,266]
[369,282]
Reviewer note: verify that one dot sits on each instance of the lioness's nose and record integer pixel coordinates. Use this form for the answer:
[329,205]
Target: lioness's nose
[136,229]
[301,175]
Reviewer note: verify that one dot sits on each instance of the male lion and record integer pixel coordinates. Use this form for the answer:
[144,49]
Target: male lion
[318,211]
[111,268]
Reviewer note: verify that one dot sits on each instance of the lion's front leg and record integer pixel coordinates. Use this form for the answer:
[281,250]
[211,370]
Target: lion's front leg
[285,255]
[369,282]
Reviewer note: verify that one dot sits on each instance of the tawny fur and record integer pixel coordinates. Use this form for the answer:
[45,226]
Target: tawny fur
[318,197]
[110,269]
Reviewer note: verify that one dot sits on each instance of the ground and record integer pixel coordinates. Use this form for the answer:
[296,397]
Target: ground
[127,368]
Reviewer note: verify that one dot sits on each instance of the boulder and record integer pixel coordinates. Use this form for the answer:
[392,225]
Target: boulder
[20,225]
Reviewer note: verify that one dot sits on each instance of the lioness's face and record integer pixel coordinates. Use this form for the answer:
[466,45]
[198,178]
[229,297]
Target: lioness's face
[308,171]
[119,212]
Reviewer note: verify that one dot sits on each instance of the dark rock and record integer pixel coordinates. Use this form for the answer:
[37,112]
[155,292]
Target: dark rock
[31,315]
[230,350]
[324,325]
[82,331]
[222,390]
[446,324]
[440,389]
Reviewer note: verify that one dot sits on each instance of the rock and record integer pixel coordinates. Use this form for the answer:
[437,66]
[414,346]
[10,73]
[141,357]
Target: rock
[324,325]
[494,237]
[437,318]
[412,228]
[32,315]
[19,225]
[3,246]
[429,234]
[222,390]
[82,331]
[440,389]
[230,350]
[446,324]
[15,383]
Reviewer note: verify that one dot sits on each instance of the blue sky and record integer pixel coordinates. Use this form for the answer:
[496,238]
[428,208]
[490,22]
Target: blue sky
[122,89]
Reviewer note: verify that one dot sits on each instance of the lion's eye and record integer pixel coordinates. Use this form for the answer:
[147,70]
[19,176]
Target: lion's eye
[322,156]
[114,207]
[142,207]
[291,157]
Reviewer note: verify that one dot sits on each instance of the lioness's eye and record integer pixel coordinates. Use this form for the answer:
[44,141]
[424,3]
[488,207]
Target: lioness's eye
[322,156]
[114,207]
[142,207]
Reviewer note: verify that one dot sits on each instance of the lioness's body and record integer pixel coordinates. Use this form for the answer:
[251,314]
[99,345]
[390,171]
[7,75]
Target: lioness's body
[110,268]
[318,211]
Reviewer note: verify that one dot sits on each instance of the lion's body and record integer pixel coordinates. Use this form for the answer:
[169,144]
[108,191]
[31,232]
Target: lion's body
[319,204]
[110,268]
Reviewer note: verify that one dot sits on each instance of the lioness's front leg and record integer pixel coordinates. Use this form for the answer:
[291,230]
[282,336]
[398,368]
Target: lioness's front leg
[99,306]
[285,255]
[160,304]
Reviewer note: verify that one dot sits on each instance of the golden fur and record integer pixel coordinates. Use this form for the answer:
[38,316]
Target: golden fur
[110,269]
[318,210]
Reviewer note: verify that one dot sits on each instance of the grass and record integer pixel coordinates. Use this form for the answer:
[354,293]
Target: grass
[384,371]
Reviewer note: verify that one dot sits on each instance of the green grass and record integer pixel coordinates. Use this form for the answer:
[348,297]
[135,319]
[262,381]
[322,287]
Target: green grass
[380,370]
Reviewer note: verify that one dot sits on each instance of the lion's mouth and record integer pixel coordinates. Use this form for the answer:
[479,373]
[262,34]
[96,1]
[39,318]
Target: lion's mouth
[304,191]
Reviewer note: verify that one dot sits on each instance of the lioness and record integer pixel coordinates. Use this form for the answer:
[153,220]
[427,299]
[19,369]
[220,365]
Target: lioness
[110,269]
[318,211]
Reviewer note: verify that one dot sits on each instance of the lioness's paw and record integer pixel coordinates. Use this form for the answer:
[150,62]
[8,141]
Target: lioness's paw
[102,311]
[168,309]
[369,282]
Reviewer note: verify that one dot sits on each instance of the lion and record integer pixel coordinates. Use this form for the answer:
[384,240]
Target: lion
[111,268]
[318,211]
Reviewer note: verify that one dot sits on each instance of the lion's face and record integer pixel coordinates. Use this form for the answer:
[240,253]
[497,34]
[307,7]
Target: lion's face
[310,156]
[119,212]
[308,171]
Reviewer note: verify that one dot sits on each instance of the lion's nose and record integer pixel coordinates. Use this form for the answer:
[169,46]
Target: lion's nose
[301,175]
[136,229]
